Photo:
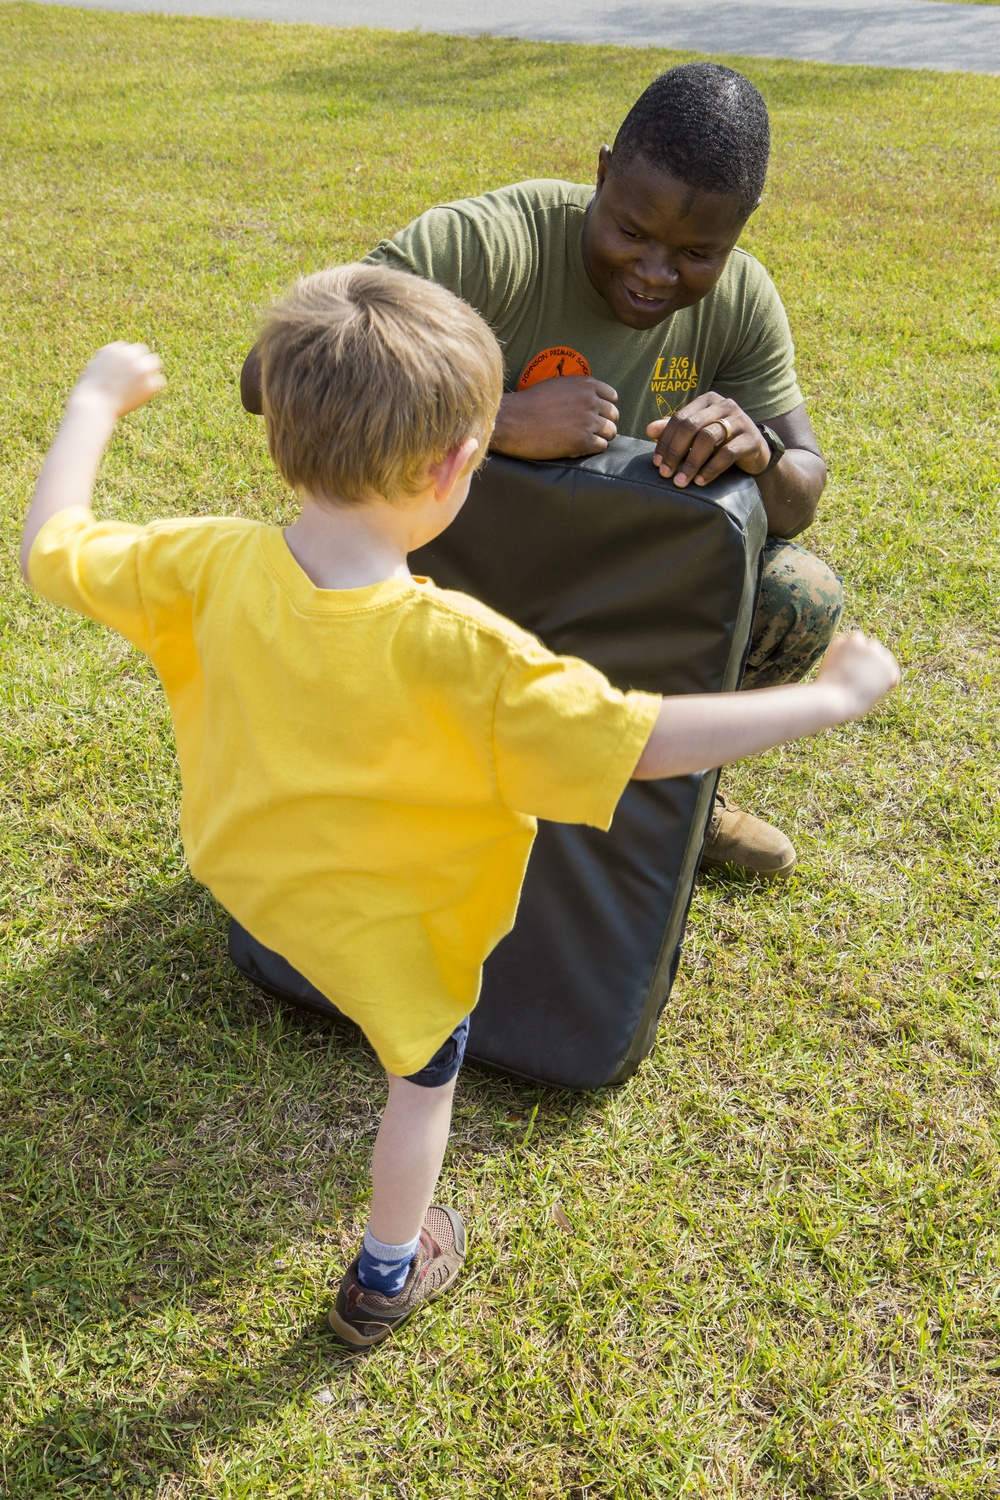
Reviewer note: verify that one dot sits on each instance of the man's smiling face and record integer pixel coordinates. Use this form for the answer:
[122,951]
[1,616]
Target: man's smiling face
[652,244]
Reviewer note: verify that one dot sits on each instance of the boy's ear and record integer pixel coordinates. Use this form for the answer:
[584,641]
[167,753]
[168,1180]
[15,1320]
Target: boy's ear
[445,474]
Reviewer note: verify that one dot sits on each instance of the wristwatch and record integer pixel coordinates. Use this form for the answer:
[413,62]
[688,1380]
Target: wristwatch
[775,444]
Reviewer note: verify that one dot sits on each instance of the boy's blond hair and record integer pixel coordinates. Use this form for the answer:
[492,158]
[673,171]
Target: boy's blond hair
[369,376]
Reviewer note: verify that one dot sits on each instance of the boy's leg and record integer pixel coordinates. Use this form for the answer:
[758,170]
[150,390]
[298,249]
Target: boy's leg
[406,1161]
[413,1250]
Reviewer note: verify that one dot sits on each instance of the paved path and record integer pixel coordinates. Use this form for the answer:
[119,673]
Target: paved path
[895,33]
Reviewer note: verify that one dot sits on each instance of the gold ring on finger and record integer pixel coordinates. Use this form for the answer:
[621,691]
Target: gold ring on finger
[726,429]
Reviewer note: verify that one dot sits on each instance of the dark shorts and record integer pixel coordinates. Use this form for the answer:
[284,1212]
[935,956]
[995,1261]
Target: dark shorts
[446,1061]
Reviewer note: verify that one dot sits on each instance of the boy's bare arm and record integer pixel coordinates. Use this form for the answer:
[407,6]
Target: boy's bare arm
[698,732]
[119,378]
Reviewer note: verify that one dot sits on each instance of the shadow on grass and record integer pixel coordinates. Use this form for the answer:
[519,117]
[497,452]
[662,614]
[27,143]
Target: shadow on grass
[184,1167]
[492,74]
[115,1446]
[483,75]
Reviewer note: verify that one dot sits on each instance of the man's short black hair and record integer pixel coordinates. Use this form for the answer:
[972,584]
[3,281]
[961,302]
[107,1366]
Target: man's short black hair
[704,124]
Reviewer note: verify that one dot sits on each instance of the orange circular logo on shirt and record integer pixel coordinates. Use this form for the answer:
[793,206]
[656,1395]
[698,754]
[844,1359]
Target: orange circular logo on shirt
[550,364]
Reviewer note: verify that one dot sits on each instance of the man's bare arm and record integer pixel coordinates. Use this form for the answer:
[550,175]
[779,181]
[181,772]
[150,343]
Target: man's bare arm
[791,491]
[561,418]
[250,393]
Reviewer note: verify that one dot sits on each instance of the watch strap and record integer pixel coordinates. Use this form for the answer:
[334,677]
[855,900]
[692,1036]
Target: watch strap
[775,444]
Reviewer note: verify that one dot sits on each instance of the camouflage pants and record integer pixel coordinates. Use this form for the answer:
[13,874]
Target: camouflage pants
[798,612]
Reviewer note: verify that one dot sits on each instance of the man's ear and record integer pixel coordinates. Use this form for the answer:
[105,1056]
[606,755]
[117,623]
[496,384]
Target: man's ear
[446,473]
[603,165]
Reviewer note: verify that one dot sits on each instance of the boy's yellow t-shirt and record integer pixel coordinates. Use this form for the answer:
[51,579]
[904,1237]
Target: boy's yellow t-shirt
[361,768]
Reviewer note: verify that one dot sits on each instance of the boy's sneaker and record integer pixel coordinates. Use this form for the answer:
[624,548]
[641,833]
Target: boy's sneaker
[361,1318]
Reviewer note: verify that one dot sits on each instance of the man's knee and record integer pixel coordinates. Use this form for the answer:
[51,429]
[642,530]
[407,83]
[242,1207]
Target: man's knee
[799,609]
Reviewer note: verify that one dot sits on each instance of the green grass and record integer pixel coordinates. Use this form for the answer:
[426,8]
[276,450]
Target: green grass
[782,1272]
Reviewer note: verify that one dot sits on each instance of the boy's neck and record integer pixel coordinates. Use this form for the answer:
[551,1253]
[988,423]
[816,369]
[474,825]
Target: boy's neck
[345,546]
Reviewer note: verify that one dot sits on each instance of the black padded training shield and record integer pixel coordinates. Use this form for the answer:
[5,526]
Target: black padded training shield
[600,558]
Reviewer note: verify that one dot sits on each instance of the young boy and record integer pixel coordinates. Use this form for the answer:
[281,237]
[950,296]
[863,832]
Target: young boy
[363,756]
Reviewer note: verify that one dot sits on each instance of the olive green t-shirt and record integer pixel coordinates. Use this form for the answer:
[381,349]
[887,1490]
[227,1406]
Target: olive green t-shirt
[516,256]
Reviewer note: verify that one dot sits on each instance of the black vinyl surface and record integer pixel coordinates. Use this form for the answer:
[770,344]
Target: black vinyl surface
[602,559]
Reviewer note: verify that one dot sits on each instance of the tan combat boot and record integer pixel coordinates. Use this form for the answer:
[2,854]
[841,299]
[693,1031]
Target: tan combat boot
[748,843]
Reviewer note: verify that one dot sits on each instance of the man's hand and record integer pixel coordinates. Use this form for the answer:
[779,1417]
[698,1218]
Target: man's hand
[565,417]
[712,434]
[860,669]
[123,375]
[705,438]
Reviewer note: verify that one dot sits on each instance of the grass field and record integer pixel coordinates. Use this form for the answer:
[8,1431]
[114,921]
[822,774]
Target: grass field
[775,1269]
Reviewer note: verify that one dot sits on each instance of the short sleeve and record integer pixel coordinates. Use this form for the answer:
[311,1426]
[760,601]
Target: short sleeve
[565,741]
[92,567]
[443,246]
[760,374]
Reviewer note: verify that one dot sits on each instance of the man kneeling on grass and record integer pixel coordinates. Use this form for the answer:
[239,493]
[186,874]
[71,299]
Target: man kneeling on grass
[363,755]
[636,287]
